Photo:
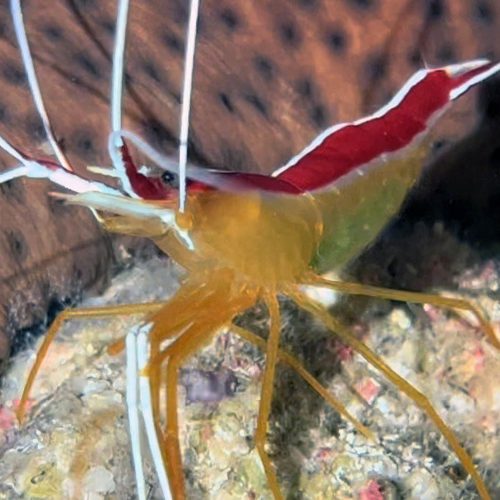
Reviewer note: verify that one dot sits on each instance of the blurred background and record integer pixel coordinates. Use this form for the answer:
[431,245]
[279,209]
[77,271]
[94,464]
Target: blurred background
[269,76]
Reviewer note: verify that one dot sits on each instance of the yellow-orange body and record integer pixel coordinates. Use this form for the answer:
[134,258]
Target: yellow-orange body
[268,239]
[265,240]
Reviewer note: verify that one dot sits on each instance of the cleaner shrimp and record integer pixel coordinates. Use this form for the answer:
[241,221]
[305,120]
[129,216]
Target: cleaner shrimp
[244,238]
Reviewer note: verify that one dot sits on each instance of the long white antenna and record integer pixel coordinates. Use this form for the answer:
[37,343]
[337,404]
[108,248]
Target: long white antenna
[186,100]
[118,62]
[115,141]
[22,40]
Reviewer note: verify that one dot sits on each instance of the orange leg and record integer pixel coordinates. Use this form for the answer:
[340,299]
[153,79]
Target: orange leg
[182,348]
[174,318]
[69,314]
[175,313]
[418,398]
[170,321]
[267,393]
[413,297]
[199,333]
[296,365]
[186,345]
[179,310]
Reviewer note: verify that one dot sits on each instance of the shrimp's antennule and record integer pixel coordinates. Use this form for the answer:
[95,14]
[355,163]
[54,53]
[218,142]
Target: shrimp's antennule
[118,65]
[29,66]
[60,173]
[186,99]
[115,142]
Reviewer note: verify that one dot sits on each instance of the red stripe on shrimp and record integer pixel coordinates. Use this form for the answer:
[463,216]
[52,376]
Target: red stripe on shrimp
[346,147]
[343,148]
[147,188]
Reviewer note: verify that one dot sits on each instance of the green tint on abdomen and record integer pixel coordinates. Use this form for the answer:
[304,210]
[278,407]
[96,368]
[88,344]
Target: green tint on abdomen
[354,214]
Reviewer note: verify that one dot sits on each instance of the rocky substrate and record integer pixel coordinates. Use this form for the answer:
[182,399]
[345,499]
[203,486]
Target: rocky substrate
[75,442]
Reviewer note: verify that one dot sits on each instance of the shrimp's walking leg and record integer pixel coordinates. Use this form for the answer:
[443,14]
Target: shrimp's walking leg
[98,312]
[420,400]
[404,296]
[170,321]
[182,348]
[272,349]
[139,399]
[296,365]
[220,311]
[143,384]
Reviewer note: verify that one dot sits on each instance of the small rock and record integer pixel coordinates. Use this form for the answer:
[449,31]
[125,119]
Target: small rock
[400,318]
[99,480]
[422,485]
[368,389]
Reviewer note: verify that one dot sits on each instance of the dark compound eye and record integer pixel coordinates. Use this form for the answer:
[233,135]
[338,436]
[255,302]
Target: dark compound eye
[170,179]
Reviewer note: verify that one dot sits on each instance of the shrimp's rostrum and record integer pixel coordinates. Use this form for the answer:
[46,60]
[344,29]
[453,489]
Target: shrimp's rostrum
[244,238]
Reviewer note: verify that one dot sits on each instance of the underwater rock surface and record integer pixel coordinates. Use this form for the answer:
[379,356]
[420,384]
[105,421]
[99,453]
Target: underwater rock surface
[75,442]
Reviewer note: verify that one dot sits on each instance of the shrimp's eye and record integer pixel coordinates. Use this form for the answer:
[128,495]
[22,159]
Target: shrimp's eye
[170,179]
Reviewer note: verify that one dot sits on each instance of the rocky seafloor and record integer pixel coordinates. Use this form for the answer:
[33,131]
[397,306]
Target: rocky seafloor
[75,442]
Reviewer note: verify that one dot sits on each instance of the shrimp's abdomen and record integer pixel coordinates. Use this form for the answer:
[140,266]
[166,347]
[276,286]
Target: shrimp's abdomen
[356,212]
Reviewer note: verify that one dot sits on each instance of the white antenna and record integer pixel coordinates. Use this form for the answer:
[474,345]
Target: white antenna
[118,61]
[186,100]
[115,141]
[22,40]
